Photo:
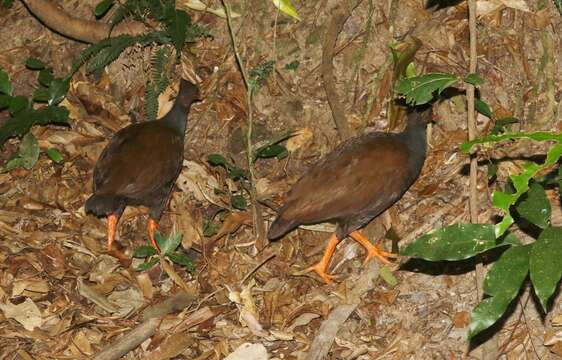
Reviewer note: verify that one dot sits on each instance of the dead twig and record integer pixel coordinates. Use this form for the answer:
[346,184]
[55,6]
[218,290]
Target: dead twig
[79,29]
[339,17]
[259,227]
[129,341]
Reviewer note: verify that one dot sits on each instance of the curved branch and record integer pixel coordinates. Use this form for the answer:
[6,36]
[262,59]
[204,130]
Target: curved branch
[78,29]
[339,17]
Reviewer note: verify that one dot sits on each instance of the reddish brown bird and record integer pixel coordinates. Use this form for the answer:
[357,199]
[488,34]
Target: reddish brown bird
[140,165]
[353,184]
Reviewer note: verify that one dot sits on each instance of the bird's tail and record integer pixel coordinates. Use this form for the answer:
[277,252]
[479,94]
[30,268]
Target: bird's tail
[280,227]
[104,204]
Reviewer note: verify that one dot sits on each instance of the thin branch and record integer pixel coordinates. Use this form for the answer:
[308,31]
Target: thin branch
[259,228]
[490,347]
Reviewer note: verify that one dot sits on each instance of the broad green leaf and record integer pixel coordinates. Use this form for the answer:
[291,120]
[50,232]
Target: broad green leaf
[5,101]
[538,136]
[144,251]
[546,263]
[45,77]
[274,150]
[508,272]
[483,108]
[5,83]
[501,124]
[536,206]
[34,64]
[238,202]
[286,7]
[474,79]
[487,313]
[418,90]
[18,104]
[558,4]
[183,260]
[102,7]
[209,228]
[293,65]
[236,173]
[147,265]
[41,94]
[54,155]
[386,274]
[455,242]
[29,151]
[492,171]
[168,244]
[57,91]
[216,160]
[20,124]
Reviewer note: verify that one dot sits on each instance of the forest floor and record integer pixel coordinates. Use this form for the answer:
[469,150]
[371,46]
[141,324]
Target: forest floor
[76,299]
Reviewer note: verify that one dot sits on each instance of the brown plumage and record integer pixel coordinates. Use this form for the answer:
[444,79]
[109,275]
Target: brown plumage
[354,183]
[140,165]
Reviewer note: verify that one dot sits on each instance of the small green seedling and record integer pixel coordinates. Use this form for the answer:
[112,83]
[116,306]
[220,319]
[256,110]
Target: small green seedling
[168,246]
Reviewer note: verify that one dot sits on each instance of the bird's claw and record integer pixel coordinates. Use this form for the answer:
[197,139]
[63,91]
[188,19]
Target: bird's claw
[381,255]
[320,269]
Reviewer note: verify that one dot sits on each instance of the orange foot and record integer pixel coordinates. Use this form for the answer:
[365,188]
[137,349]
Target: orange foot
[372,250]
[320,269]
[152,227]
[322,265]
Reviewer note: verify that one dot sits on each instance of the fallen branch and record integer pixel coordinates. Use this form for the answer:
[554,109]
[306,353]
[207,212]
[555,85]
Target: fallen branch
[78,29]
[339,17]
[327,333]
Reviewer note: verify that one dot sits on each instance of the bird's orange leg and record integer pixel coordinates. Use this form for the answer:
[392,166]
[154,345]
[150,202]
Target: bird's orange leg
[322,265]
[112,220]
[372,250]
[152,227]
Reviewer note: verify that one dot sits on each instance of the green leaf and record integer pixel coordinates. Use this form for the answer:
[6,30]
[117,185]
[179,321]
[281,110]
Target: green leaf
[147,265]
[45,77]
[487,313]
[209,228]
[538,136]
[492,171]
[508,272]
[18,104]
[5,83]
[29,151]
[34,64]
[558,4]
[169,243]
[20,124]
[238,202]
[274,150]
[474,79]
[293,65]
[546,263]
[483,108]
[418,90]
[177,28]
[386,274]
[183,260]
[286,7]
[57,91]
[102,7]
[216,160]
[144,251]
[41,95]
[501,124]
[5,101]
[536,206]
[455,242]
[54,155]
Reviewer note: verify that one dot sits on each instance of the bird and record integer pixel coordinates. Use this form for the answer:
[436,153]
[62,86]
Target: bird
[353,184]
[140,164]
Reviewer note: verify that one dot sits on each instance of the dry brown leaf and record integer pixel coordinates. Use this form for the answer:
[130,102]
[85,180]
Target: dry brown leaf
[302,137]
[249,351]
[26,313]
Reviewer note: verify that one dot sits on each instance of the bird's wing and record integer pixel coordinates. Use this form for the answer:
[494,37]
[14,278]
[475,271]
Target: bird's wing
[135,168]
[348,180]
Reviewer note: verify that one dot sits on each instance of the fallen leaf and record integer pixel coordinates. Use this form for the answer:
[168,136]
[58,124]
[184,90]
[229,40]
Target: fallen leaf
[248,351]
[26,313]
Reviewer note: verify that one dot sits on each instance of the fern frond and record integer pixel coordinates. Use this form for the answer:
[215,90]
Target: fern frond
[150,103]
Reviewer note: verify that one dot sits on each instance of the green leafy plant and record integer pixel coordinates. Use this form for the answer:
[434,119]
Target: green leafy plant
[524,201]
[23,115]
[168,246]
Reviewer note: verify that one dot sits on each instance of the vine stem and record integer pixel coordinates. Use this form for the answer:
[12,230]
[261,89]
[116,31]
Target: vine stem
[490,347]
[259,228]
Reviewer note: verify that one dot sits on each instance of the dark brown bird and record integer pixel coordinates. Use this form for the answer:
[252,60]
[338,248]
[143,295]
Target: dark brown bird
[140,165]
[353,184]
